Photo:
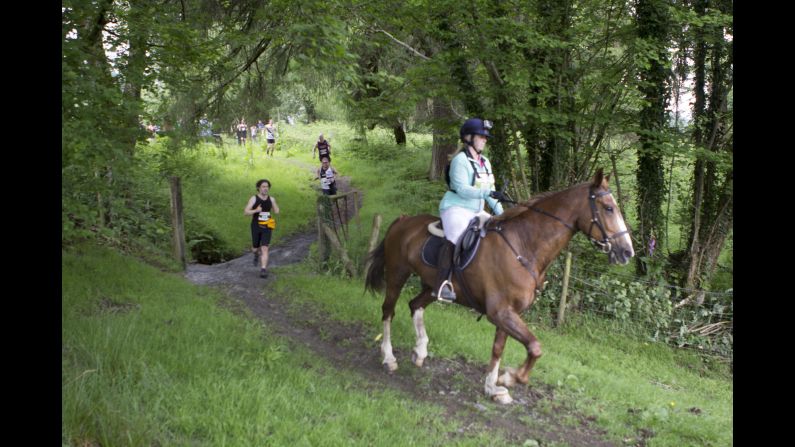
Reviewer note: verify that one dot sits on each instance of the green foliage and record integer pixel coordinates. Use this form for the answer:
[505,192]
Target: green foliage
[642,309]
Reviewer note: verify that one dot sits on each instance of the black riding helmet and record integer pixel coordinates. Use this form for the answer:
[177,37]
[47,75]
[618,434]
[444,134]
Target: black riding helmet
[475,126]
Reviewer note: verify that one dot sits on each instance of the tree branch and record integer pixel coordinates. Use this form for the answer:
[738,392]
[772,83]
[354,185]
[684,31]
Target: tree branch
[405,45]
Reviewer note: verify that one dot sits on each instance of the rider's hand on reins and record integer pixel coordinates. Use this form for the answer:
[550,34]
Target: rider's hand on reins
[500,196]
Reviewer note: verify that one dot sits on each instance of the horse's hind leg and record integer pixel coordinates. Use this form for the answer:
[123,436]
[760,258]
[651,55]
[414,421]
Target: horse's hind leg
[513,324]
[394,283]
[417,306]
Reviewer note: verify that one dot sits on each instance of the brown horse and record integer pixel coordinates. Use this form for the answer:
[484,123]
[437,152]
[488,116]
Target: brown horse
[502,279]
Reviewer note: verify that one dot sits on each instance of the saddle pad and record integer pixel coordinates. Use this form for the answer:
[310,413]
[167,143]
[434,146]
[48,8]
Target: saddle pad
[430,250]
[464,252]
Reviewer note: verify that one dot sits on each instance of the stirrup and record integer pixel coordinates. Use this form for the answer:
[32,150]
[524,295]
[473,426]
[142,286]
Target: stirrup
[448,297]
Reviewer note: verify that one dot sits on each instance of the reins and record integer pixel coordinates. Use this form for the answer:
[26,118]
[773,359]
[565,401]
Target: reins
[603,245]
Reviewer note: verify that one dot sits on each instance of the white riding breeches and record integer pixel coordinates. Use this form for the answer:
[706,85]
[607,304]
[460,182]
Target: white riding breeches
[454,222]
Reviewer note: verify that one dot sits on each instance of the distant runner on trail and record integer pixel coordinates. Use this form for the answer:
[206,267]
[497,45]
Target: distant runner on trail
[242,132]
[323,148]
[270,137]
[326,173]
[259,207]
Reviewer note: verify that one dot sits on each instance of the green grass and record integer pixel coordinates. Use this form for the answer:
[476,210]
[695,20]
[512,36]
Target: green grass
[149,359]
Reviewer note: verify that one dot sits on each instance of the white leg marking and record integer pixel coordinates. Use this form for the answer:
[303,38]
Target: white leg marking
[497,393]
[421,347]
[386,347]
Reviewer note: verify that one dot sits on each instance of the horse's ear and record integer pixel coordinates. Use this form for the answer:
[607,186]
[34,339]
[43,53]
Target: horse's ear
[597,178]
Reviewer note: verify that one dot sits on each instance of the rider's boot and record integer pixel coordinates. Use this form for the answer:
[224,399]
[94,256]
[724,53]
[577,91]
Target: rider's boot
[444,289]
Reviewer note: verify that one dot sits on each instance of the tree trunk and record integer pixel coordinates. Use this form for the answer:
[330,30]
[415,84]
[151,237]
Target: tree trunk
[719,230]
[444,141]
[310,111]
[652,23]
[712,198]
[400,134]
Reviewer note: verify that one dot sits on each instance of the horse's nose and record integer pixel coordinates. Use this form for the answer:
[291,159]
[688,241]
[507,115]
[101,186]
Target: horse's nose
[628,254]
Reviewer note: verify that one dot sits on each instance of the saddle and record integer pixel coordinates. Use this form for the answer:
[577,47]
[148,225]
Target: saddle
[465,249]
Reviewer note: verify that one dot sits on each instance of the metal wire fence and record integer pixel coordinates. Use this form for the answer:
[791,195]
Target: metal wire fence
[646,307]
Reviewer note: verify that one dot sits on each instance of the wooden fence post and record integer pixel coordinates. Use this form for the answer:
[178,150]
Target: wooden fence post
[356,210]
[346,261]
[177,221]
[373,239]
[562,308]
[323,247]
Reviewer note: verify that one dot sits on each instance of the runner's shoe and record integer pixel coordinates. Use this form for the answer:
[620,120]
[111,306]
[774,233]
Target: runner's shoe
[256,258]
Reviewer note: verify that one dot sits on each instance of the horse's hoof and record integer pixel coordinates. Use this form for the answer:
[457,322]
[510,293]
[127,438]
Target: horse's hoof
[416,359]
[390,367]
[504,399]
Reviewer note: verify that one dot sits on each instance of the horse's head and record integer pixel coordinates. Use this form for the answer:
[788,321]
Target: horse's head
[605,225]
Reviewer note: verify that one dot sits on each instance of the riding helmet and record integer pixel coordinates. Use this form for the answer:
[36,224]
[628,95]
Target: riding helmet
[475,126]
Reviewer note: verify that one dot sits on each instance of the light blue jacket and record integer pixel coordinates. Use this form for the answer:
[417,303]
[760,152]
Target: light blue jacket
[465,195]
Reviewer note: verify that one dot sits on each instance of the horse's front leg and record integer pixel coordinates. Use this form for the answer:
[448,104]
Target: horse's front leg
[513,324]
[497,393]
[417,306]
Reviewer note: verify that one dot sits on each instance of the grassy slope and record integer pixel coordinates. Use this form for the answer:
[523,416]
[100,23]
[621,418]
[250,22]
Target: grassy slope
[149,359]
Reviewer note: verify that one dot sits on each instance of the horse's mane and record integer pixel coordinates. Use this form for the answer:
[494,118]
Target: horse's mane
[521,207]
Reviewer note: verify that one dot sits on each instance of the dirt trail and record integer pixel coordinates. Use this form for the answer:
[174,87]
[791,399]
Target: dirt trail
[453,383]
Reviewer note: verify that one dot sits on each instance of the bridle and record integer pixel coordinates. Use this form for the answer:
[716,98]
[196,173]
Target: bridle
[604,244]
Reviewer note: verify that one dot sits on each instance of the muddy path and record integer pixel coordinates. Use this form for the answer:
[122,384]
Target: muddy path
[455,384]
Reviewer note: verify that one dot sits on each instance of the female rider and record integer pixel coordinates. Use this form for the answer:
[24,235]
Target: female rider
[471,184]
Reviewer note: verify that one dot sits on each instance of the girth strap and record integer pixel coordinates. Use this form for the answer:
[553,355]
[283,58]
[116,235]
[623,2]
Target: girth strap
[472,303]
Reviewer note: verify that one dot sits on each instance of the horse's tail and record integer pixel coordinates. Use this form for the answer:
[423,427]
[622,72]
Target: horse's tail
[374,281]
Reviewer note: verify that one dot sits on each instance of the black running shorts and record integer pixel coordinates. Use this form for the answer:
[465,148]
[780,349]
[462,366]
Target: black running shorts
[260,237]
